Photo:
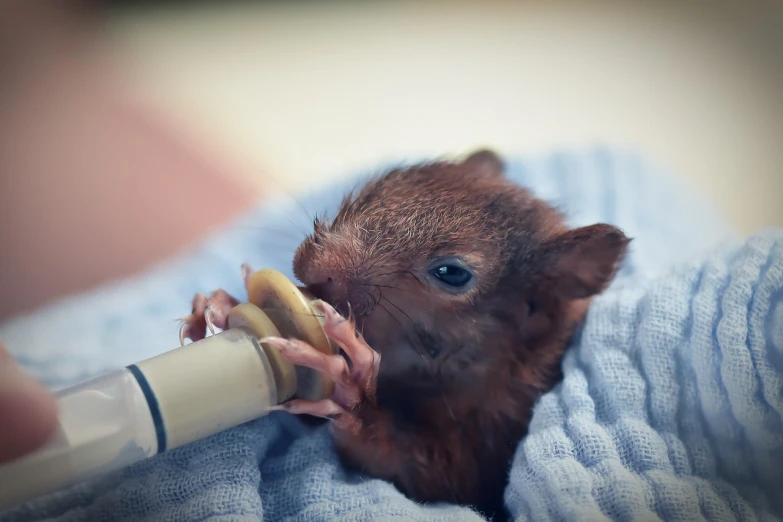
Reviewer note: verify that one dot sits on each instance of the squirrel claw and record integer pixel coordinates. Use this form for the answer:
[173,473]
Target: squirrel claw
[247,272]
[208,313]
[326,409]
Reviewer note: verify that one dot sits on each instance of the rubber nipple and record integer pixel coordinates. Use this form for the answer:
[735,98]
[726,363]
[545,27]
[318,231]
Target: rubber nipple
[277,307]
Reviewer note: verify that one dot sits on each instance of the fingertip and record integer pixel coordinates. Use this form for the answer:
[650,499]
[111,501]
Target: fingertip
[28,413]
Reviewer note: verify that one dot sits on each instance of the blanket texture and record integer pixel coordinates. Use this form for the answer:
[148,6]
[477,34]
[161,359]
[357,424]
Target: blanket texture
[670,408]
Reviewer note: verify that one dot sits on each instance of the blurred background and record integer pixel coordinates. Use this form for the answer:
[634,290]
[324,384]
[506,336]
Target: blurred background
[128,130]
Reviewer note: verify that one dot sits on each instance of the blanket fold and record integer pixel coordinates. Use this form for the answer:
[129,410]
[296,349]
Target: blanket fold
[671,404]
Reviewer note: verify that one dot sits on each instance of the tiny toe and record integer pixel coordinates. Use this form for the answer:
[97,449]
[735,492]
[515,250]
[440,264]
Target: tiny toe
[192,328]
[302,354]
[217,308]
[206,313]
[364,359]
[223,301]
[198,305]
[326,409]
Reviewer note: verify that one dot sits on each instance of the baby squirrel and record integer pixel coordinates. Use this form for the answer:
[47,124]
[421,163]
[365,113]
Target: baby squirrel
[453,293]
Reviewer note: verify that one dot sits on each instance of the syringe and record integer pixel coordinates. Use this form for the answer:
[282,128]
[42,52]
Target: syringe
[178,397]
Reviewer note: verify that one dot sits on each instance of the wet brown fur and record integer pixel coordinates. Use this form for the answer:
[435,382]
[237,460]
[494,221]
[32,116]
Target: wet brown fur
[460,373]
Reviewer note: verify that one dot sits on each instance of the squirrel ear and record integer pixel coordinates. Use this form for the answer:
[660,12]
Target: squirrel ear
[485,163]
[583,262]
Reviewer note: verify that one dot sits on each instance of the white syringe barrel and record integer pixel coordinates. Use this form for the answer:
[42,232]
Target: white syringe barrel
[115,420]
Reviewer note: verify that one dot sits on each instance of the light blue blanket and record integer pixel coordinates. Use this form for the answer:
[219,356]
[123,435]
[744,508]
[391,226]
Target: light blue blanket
[670,408]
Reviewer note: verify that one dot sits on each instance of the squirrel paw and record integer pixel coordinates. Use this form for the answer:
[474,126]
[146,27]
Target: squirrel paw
[355,383]
[211,312]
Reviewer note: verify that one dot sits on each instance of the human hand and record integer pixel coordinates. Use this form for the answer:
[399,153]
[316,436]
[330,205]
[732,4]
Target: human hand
[28,411]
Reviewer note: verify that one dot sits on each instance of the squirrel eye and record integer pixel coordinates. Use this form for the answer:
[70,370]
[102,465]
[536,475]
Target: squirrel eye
[452,275]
